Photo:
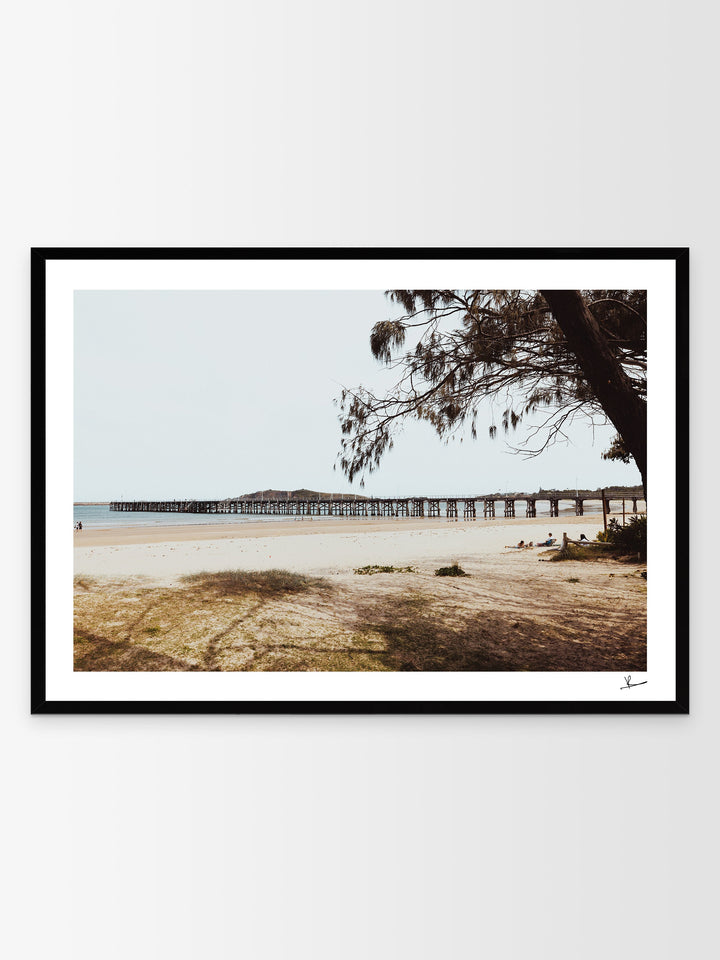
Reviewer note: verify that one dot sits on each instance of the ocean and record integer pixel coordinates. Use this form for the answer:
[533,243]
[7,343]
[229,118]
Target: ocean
[95,515]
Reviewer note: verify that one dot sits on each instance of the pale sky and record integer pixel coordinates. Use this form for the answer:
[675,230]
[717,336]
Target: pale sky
[213,394]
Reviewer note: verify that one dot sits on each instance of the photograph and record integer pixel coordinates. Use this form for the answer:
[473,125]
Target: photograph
[447,486]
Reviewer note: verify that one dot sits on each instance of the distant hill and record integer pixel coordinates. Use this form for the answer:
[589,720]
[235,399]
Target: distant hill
[611,492]
[296,495]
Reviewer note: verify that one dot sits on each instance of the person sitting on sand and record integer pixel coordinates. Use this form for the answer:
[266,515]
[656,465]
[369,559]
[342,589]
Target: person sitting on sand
[549,542]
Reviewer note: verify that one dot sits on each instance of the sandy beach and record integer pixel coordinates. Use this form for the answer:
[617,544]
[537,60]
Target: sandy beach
[321,546]
[210,598]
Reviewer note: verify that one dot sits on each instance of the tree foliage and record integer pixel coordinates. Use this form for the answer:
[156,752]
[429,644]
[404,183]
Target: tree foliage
[617,450]
[631,537]
[453,349]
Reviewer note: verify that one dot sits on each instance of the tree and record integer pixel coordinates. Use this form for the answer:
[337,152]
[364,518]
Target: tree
[570,353]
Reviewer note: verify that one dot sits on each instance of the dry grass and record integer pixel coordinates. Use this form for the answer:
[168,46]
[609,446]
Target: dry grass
[85,583]
[538,619]
[594,552]
[261,583]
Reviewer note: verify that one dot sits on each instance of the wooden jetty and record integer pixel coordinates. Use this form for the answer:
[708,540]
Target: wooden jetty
[468,507]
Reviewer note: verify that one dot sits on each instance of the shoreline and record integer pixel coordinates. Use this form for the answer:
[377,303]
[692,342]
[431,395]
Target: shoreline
[189,533]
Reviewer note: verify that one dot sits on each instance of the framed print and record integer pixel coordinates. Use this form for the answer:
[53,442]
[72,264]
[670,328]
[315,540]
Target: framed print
[360,480]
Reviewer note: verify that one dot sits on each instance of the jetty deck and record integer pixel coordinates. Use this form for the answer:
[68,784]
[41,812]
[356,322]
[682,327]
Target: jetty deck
[465,507]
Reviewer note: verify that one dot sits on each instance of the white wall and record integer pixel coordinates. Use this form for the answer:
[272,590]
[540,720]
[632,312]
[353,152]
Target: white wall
[168,122]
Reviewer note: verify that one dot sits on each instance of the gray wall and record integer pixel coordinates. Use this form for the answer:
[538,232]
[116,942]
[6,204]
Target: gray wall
[179,123]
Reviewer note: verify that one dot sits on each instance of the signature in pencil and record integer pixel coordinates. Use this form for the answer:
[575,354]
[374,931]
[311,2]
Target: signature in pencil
[628,679]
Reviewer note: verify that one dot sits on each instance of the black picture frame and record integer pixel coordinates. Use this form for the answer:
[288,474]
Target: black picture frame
[41,630]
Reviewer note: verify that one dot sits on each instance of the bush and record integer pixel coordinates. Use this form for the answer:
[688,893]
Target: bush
[454,571]
[632,537]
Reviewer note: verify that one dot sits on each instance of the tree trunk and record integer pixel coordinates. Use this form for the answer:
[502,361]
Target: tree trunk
[603,372]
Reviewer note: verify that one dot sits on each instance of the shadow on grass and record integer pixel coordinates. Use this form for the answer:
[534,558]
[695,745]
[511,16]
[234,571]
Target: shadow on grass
[418,638]
[100,654]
